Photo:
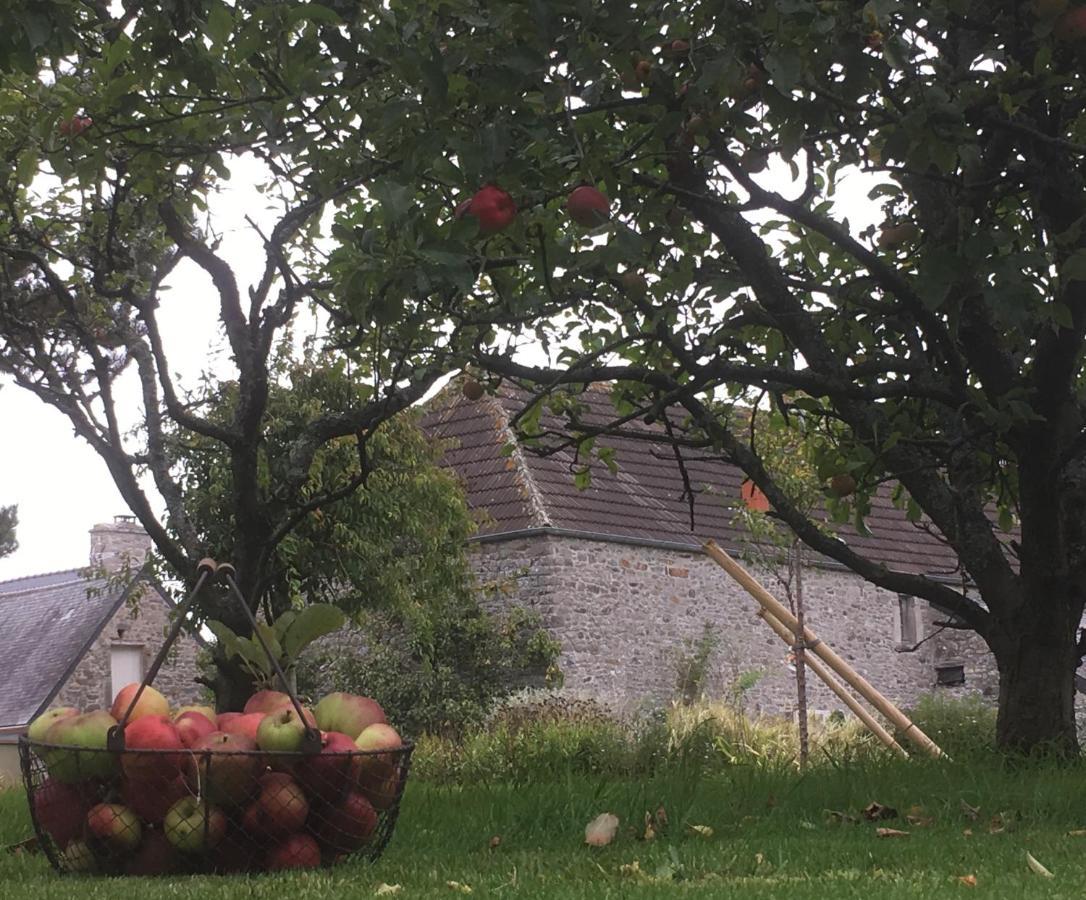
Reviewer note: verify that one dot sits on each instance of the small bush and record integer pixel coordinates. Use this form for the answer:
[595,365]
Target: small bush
[556,738]
[961,726]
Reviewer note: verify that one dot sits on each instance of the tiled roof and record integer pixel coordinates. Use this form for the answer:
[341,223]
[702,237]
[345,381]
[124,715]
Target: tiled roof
[48,622]
[643,500]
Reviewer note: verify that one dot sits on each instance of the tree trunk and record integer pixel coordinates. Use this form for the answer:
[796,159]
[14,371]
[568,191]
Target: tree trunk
[232,685]
[1037,663]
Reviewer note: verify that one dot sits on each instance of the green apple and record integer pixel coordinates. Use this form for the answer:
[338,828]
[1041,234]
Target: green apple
[77,857]
[82,752]
[281,732]
[38,728]
[193,826]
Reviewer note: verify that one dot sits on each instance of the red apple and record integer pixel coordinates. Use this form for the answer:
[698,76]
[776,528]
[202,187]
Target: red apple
[193,727]
[280,808]
[156,733]
[244,725]
[150,703]
[266,702]
[192,826]
[1072,26]
[680,46]
[113,827]
[842,485]
[60,809]
[151,800]
[223,767]
[374,766]
[83,752]
[588,207]
[155,856]
[299,851]
[473,390]
[347,825]
[348,714]
[381,792]
[207,711]
[75,126]
[492,207]
[327,775]
[643,70]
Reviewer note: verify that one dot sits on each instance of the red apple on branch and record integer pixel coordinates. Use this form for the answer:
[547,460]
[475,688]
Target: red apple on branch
[587,206]
[75,126]
[492,207]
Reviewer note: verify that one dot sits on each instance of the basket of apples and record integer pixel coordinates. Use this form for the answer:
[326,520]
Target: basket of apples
[142,790]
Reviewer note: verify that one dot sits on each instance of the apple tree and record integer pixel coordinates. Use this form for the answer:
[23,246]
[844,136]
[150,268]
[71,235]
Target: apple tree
[871,212]
[120,127]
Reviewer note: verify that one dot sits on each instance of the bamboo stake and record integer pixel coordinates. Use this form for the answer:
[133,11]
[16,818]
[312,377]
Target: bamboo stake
[839,689]
[765,599]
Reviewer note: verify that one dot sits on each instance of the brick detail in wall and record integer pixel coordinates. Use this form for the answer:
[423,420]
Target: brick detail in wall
[625,614]
[89,685]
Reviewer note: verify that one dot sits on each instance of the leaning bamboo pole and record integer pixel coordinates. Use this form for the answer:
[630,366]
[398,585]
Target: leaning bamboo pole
[767,601]
[839,689]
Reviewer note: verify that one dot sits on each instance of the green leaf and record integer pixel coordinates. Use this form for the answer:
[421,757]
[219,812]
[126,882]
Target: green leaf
[396,199]
[310,623]
[1074,268]
[220,23]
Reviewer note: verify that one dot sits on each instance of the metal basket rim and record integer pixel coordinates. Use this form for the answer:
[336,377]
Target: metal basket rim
[404,748]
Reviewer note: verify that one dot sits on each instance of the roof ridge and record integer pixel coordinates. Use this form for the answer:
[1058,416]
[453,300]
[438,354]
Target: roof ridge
[75,569]
[537,504]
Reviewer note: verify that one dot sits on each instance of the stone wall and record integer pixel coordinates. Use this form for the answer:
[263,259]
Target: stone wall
[141,625]
[628,615]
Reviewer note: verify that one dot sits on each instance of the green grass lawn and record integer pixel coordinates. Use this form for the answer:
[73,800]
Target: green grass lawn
[772,837]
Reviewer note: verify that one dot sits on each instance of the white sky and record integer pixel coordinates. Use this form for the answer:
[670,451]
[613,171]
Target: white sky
[63,488]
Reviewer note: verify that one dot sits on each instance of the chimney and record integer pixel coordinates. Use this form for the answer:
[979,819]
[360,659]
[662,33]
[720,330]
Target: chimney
[117,542]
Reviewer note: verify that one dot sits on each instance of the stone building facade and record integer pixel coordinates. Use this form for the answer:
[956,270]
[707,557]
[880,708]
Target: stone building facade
[618,574]
[630,616]
[75,637]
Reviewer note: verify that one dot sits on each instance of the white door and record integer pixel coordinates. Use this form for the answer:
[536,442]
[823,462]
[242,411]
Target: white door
[125,666]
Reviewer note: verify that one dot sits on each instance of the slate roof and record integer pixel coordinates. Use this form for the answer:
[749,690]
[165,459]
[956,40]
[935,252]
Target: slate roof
[47,623]
[643,501]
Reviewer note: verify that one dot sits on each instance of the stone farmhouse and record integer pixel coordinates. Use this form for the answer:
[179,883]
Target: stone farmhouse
[618,575]
[73,639]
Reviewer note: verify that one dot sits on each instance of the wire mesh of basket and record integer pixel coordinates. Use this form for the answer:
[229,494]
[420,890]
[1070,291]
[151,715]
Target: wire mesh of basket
[222,806]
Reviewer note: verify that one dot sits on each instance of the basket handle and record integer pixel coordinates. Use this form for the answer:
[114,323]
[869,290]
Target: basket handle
[207,569]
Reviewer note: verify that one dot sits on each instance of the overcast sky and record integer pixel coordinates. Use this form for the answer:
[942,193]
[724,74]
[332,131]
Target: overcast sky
[63,488]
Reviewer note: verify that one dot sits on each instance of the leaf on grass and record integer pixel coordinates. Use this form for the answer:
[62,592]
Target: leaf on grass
[1077,832]
[631,870]
[967,832]
[701,830]
[968,880]
[385,890]
[1036,867]
[836,817]
[890,832]
[601,830]
[649,833]
[920,821]
[876,812]
[971,812]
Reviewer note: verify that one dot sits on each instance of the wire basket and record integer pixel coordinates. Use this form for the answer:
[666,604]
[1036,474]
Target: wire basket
[119,810]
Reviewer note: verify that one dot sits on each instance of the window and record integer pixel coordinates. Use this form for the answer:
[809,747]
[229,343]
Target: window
[949,674]
[125,666]
[906,612]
